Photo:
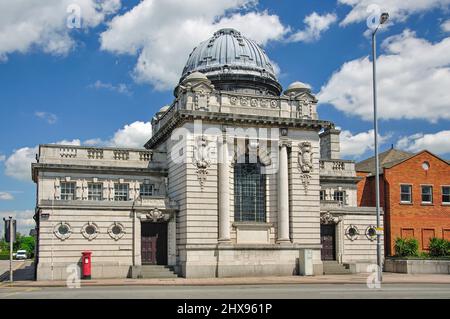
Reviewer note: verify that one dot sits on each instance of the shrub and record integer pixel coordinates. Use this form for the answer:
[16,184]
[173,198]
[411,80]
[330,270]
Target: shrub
[439,247]
[408,247]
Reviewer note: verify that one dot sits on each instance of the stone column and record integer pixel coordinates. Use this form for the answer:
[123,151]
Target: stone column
[224,192]
[283,195]
[136,240]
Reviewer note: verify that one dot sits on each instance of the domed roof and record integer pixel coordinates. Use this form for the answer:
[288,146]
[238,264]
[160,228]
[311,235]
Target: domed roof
[297,87]
[227,56]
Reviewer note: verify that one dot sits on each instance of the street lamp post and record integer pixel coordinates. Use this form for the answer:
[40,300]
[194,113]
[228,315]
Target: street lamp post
[383,18]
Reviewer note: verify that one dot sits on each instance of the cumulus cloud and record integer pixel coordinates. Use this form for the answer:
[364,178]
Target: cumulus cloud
[18,165]
[315,25]
[43,24]
[446,26]
[134,135]
[6,196]
[119,88]
[413,81]
[25,221]
[355,145]
[50,118]
[163,33]
[398,10]
[438,143]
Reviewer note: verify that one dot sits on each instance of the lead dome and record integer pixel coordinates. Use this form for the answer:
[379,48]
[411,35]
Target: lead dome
[233,62]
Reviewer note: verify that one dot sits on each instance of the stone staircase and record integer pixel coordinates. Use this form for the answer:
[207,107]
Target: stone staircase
[334,268]
[154,271]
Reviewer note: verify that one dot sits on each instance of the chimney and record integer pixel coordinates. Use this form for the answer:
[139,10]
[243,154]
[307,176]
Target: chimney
[330,145]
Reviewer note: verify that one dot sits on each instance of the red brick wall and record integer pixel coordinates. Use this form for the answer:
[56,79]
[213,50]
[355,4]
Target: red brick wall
[421,220]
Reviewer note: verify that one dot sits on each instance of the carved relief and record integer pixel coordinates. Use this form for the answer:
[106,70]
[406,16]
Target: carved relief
[155,216]
[202,160]
[253,102]
[201,100]
[305,162]
[328,218]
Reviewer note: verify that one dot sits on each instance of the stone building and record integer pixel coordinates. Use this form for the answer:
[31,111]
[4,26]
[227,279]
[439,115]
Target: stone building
[239,178]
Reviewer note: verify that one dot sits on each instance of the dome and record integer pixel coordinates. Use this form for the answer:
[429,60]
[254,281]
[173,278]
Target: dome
[195,77]
[297,87]
[164,109]
[231,61]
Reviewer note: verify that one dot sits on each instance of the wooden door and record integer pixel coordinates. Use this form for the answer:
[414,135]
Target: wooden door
[154,243]
[328,241]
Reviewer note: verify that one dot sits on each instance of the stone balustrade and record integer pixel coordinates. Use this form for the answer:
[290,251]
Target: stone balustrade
[94,156]
[340,168]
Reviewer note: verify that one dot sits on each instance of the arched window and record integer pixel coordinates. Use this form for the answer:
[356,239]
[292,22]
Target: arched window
[249,193]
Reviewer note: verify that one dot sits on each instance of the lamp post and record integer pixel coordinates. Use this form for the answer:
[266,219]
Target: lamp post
[383,19]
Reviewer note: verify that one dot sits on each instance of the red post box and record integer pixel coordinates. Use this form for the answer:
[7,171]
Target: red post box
[86,264]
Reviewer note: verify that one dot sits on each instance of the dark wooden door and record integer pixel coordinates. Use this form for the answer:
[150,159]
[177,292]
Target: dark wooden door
[328,241]
[154,243]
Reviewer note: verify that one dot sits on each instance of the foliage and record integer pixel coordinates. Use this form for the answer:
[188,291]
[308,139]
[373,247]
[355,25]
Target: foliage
[27,243]
[439,247]
[406,247]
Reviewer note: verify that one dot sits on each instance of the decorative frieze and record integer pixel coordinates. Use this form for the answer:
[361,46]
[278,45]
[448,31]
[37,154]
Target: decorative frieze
[254,102]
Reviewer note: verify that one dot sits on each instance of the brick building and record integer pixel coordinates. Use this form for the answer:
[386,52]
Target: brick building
[414,193]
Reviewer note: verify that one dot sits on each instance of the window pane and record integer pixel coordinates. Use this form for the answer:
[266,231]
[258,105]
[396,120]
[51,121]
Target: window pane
[339,196]
[446,194]
[95,191]
[146,190]
[427,194]
[121,192]
[68,191]
[405,193]
[249,193]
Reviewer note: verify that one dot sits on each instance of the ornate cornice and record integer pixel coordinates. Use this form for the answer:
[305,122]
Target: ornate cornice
[181,116]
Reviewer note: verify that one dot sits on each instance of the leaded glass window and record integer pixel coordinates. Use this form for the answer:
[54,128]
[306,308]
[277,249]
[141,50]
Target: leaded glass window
[249,193]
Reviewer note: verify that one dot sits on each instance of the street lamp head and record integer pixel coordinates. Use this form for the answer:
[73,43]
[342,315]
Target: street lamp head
[384,17]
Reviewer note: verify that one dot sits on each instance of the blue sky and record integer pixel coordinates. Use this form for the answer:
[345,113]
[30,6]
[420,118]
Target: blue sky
[89,85]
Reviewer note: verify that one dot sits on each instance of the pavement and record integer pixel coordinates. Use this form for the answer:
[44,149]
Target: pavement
[388,278]
[262,293]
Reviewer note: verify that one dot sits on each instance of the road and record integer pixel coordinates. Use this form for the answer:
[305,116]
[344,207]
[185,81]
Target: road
[22,270]
[302,291]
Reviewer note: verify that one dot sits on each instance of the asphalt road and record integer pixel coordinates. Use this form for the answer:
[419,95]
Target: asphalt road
[303,291]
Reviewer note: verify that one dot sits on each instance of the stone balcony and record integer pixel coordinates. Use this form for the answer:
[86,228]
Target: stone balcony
[92,156]
[337,168]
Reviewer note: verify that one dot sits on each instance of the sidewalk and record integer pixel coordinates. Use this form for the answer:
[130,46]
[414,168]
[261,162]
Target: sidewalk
[388,278]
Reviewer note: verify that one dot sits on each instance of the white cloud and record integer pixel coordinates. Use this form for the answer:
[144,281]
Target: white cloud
[50,118]
[43,24]
[446,26]
[134,135]
[413,81]
[2,158]
[18,165]
[398,10]
[25,221]
[163,33]
[315,26]
[355,145]
[119,88]
[438,143]
[6,196]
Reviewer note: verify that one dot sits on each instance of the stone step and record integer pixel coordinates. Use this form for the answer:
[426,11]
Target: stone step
[334,268]
[155,271]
